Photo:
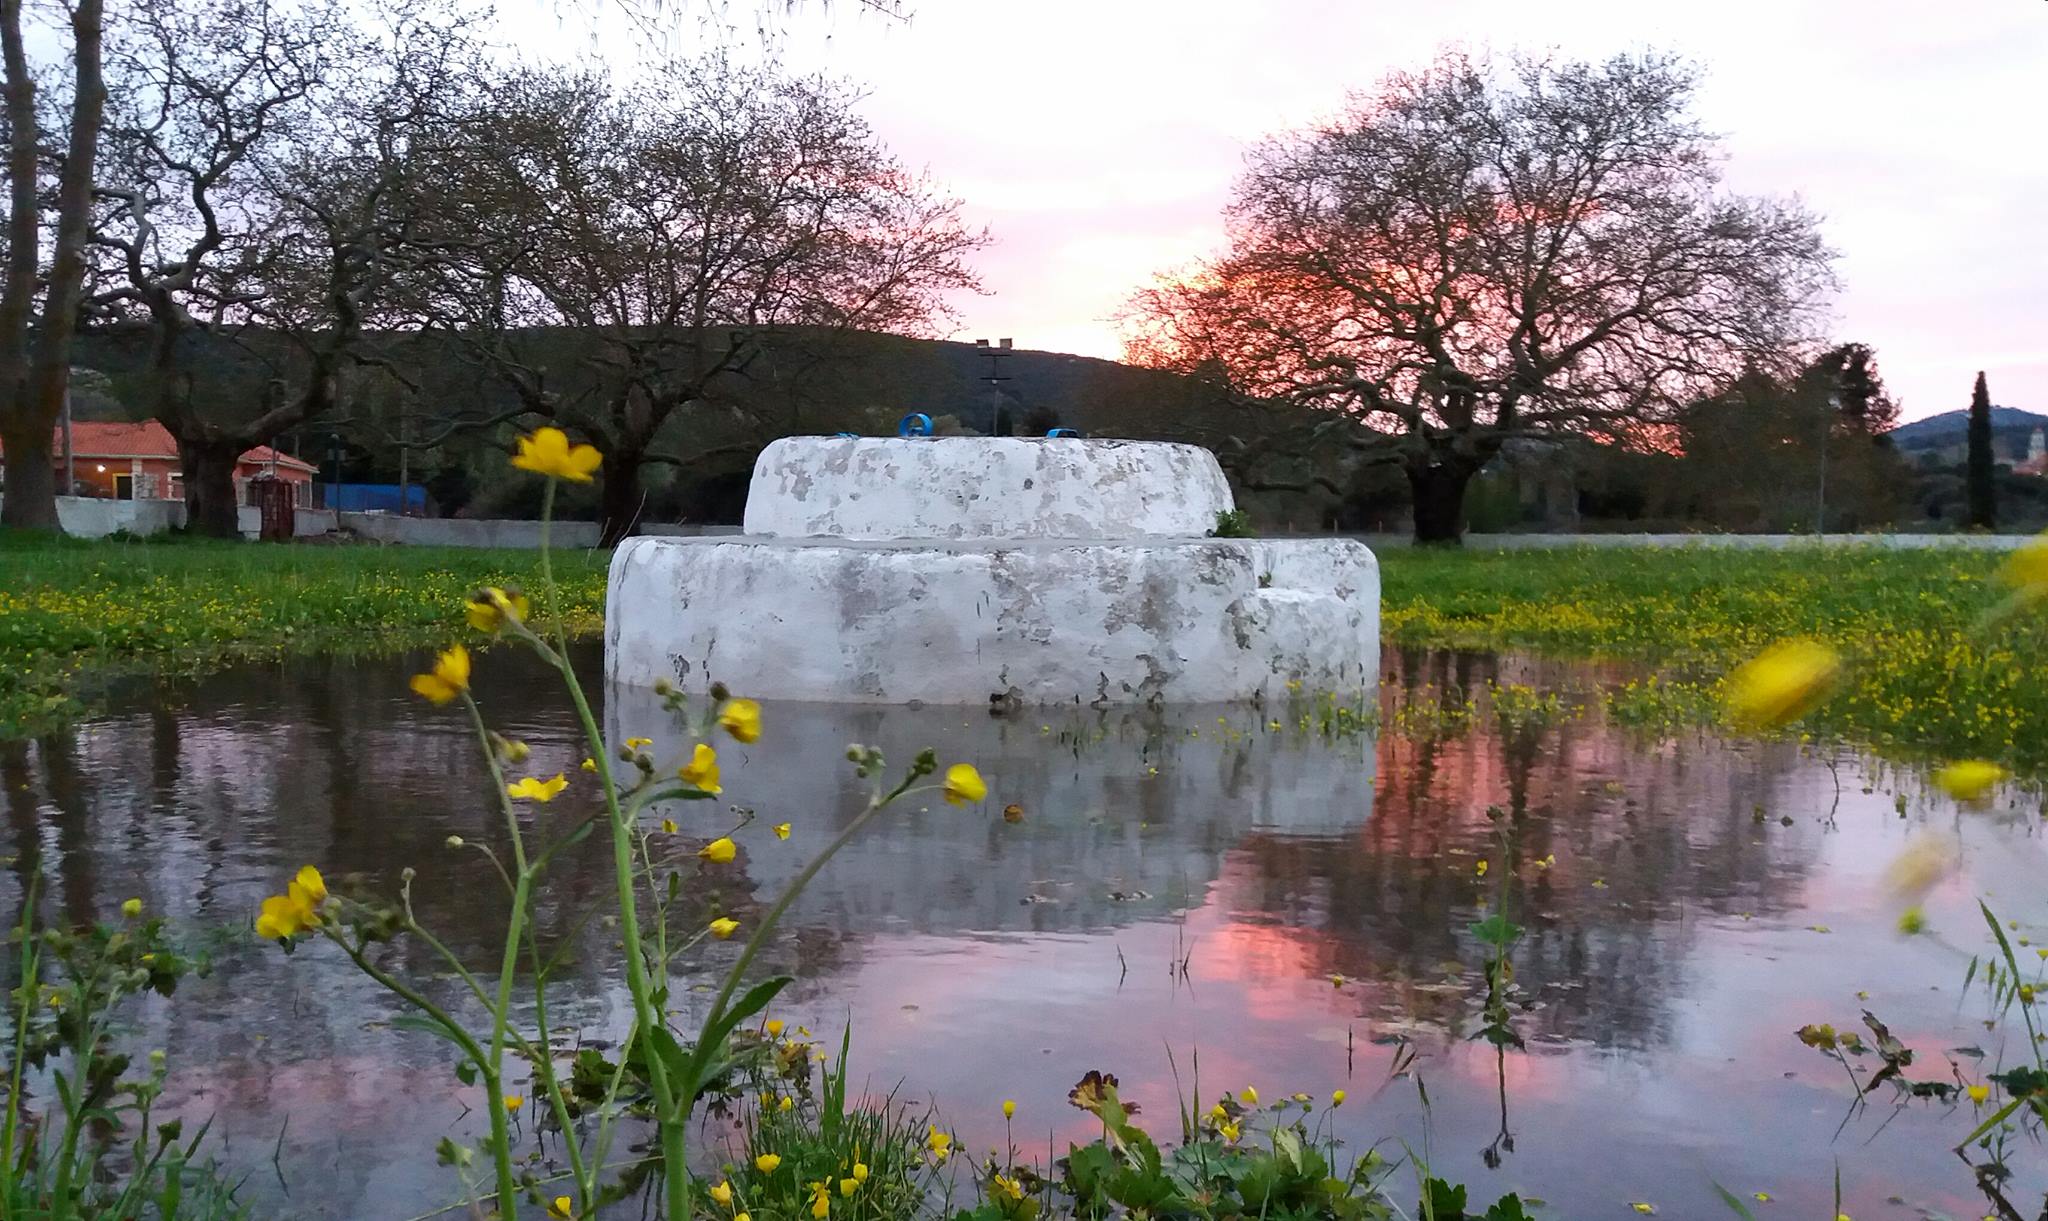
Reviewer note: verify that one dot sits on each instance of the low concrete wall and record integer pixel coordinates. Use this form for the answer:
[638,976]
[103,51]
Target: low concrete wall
[1749,542]
[463,532]
[89,517]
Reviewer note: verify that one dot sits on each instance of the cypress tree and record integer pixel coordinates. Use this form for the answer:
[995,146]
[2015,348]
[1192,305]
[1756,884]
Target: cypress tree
[1983,508]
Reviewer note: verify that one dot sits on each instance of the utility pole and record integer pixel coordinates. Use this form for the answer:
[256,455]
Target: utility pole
[1827,425]
[67,485]
[404,471]
[999,422]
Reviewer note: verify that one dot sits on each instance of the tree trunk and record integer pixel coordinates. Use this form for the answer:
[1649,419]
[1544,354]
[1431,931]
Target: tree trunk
[1439,485]
[209,468]
[30,500]
[620,499]
[1983,497]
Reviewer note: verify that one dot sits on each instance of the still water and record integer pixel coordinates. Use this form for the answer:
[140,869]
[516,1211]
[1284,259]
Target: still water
[1707,899]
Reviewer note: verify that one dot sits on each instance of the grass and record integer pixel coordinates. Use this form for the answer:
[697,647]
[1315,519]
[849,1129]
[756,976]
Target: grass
[1923,681]
[70,609]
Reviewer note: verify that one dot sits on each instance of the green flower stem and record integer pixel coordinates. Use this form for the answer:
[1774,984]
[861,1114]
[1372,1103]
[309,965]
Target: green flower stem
[494,1103]
[30,968]
[670,1112]
[522,896]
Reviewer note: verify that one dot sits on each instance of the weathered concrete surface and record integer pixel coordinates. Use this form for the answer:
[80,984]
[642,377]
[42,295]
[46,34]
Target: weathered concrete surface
[1735,542]
[983,487]
[1039,621]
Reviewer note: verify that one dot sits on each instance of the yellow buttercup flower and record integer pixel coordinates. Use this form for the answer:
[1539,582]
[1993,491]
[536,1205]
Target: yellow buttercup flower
[490,608]
[562,1208]
[1229,1131]
[848,1186]
[548,452]
[132,908]
[860,1172]
[1480,869]
[1970,780]
[723,928]
[722,1194]
[767,1162]
[719,850]
[513,1102]
[1009,1109]
[1783,683]
[1924,861]
[964,784]
[450,676]
[741,719]
[668,826]
[774,1027]
[280,919]
[782,830]
[1336,1098]
[940,1143]
[1006,1188]
[533,788]
[743,1217]
[702,769]
[1250,1096]
[588,765]
[1978,1093]
[821,1203]
[785,1103]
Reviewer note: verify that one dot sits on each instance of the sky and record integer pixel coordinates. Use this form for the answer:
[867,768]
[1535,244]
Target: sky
[1097,139]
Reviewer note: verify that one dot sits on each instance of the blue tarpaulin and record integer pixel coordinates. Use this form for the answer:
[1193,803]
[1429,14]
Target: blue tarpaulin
[374,497]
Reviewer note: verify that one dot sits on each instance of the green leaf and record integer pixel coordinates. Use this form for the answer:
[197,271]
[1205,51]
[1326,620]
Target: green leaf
[1443,1201]
[1507,1208]
[1736,1206]
[1496,930]
[711,1043]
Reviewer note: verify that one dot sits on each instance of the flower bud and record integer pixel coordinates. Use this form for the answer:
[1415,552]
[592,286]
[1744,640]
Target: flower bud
[406,874]
[720,692]
[453,841]
[662,686]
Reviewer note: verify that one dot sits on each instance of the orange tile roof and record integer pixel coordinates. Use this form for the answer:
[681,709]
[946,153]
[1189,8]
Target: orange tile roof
[150,439]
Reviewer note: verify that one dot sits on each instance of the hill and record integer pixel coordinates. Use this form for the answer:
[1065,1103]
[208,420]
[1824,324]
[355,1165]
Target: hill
[1952,427]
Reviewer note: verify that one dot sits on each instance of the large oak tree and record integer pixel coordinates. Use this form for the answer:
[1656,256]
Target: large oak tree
[1477,251]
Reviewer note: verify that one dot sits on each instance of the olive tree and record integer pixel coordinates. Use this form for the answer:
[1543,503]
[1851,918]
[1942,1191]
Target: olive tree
[1477,251]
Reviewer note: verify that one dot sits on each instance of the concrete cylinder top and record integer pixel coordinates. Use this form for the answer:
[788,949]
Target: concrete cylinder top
[983,487]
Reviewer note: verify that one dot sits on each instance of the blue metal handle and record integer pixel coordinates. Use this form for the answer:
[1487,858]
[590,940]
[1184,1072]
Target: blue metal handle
[916,424]
[846,434]
[1062,432]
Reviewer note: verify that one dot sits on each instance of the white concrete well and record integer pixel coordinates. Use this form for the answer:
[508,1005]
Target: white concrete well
[1036,571]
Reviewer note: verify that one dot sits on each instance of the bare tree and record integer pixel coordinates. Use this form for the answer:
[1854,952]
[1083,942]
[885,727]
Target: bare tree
[258,208]
[640,251]
[35,352]
[1477,251]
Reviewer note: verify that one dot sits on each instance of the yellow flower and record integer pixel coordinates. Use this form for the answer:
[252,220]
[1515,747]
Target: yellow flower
[1336,1098]
[821,1203]
[1925,860]
[743,1217]
[1761,1197]
[489,609]
[741,719]
[722,928]
[1783,683]
[860,1172]
[722,1194]
[848,1186]
[1970,780]
[1641,1207]
[132,908]
[535,789]
[1250,1096]
[1006,1188]
[1480,869]
[588,765]
[719,850]
[668,826]
[782,830]
[562,1209]
[1978,1093]
[940,1143]
[767,1162]
[2026,569]
[547,452]
[785,1103]
[702,769]
[1217,1114]
[513,1102]
[449,678]
[1229,1132]
[964,784]
[1009,1109]
[774,1027]
[283,917]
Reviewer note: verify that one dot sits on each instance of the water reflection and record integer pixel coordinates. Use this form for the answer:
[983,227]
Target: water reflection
[1190,881]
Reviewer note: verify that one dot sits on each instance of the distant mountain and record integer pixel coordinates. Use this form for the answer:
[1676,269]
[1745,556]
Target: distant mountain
[1952,427]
